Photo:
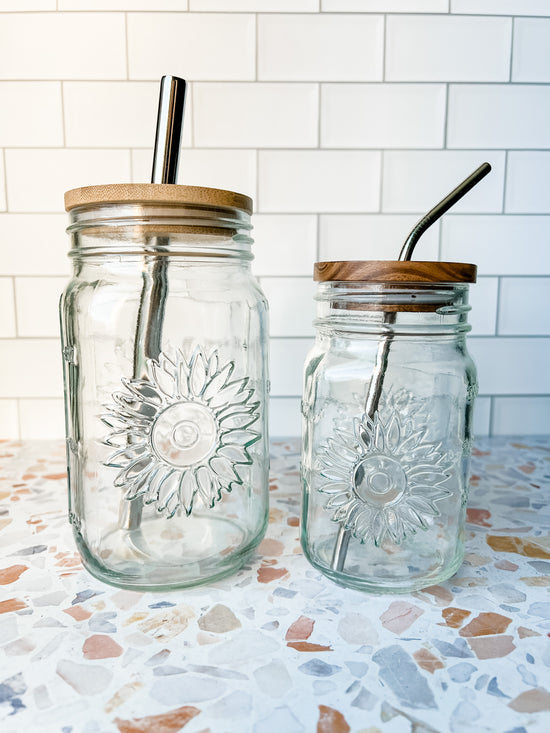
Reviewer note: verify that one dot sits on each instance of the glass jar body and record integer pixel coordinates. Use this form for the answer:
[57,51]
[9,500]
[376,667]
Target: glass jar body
[166,404]
[385,489]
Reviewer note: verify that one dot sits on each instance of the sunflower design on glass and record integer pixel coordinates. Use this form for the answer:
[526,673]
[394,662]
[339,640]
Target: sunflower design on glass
[181,434]
[383,477]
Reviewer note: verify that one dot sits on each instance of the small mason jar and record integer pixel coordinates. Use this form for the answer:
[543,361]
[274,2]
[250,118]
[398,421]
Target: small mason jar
[164,337]
[388,399]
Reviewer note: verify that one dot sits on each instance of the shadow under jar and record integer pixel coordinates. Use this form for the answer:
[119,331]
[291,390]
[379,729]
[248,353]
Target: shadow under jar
[164,336]
[388,399]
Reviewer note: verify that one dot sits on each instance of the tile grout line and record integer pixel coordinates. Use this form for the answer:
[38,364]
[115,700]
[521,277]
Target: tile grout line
[512,37]
[256,47]
[15,311]
[504,182]
[127,52]
[499,287]
[5,164]
[384,46]
[18,404]
[63,124]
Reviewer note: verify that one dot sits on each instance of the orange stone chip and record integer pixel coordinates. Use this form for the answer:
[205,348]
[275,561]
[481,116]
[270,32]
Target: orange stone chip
[331,721]
[170,722]
[454,616]
[428,661]
[485,624]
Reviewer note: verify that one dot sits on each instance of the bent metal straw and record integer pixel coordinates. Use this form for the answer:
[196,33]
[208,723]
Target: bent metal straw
[376,383]
[148,338]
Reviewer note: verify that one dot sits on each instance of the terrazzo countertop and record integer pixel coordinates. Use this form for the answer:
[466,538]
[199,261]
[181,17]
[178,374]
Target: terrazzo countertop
[278,647]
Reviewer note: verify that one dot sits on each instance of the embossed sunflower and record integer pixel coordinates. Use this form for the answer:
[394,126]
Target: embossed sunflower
[181,434]
[383,476]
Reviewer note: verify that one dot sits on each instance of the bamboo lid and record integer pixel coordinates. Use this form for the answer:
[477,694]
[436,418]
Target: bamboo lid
[156,193]
[389,271]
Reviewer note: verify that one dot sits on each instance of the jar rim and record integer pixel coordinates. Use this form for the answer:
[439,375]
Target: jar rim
[157,193]
[391,271]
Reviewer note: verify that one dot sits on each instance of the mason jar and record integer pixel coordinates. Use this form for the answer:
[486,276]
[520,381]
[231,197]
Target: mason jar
[164,338]
[387,430]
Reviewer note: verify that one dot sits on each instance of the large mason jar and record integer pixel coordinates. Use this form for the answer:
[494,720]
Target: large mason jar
[164,336]
[387,405]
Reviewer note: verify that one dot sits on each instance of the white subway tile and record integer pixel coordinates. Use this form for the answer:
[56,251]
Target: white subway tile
[234,170]
[34,244]
[26,5]
[527,189]
[9,420]
[447,48]
[512,365]
[256,115]
[372,237]
[285,418]
[62,46]
[42,419]
[287,359]
[521,416]
[37,302]
[482,416]
[484,300]
[382,115]
[193,46]
[498,116]
[320,48]
[37,179]
[259,6]
[384,6]
[122,4]
[7,309]
[500,7]
[524,307]
[34,368]
[291,305]
[110,114]
[499,245]
[35,116]
[530,59]
[315,181]
[414,181]
[284,244]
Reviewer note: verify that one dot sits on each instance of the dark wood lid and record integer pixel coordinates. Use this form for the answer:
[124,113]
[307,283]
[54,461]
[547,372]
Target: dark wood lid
[156,193]
[390,271]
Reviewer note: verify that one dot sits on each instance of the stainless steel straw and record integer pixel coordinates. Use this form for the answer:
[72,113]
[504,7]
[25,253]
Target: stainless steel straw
[148,338]
[377,378]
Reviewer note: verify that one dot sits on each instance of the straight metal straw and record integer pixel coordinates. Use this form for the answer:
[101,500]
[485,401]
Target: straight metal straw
[376,382]
[148,338]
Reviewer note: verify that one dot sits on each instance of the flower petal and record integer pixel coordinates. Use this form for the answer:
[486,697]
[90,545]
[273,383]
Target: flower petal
[235,454]
[120,458]
[187,490]
[244,438]
[209,488]
[224,469]
[218,381]
[232,394]
[239,420]
[133,471]
[143,390]
[197,373]
[334,487]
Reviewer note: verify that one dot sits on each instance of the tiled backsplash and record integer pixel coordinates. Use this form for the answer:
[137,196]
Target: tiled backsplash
[345,120]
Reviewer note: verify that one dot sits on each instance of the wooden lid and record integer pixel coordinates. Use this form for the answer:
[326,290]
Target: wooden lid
[156,193]
[389,271]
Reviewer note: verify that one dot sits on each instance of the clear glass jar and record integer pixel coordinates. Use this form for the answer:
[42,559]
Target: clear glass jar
[164,336]
[387,405]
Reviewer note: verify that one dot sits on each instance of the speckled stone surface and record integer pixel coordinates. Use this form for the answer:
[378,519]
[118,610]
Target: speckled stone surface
[278,647]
